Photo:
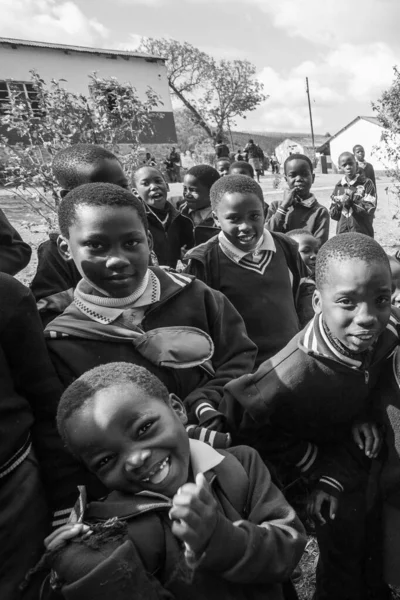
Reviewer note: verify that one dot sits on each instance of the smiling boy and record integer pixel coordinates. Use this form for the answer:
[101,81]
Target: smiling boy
[215,515]
[171,231]
[353,202]
[222,166]
[301,405]
[258,271]
[299,208]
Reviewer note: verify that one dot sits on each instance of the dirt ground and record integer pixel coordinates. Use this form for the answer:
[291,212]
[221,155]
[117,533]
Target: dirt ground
[387,233]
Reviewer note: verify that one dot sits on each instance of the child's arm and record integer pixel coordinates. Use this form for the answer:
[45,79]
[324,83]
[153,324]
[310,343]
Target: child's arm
[335,209]
[263,547]
[197,268]
[321,231]
[367,201]
[234,355]
[277,211]
[15,254]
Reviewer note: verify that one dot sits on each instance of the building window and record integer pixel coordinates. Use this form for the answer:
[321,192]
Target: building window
[25,92]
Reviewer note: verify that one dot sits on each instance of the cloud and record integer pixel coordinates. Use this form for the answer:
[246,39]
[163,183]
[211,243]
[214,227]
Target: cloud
[132,43]
[50,21]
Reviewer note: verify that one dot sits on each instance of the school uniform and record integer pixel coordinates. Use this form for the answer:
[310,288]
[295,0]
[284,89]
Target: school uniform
[262,285]
[304,306]
[257,542]
[29,393]
[171,231]
[184,332]
[15,254]
[360,215]
[368,171]
[204,227]
[297,409]
[305,214]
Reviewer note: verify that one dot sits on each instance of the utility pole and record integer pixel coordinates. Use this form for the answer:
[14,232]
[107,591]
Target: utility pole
[309,108]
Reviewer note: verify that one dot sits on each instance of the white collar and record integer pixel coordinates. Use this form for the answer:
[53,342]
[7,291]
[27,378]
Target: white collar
[203,457]
[266,242]
[344,181]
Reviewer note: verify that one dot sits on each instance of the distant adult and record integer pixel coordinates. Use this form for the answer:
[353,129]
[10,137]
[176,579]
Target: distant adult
[221,149]
[368,169]
[175,159]
[253,155]
[274,164]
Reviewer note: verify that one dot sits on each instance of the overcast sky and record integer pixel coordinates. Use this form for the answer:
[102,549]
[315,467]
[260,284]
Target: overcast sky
[347,48]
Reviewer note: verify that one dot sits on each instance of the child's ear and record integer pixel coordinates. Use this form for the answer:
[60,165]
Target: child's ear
[63,248]
[316,302]
[150,240]
[215,217]
[313,177]
[177,406]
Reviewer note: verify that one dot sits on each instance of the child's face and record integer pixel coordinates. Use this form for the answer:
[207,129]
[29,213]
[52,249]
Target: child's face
[308,249]
[348,164]
[132,441]
[241,218]
[110,248]
[395,269]
[223,167]
[299,176]
[240,171]
[196,194]
[355,302]
[151,186]
[109,170]
[359,153]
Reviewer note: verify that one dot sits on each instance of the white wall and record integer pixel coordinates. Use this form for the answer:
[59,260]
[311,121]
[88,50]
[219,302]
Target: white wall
[362,132]
[76,66]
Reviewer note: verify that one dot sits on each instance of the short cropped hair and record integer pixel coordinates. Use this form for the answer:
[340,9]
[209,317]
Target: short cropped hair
[298,157]
[67,161]
[231,184]
[298,232]
[223,159]
[347,246]
[82,390]
[206,174]
[358,146]
[96,194]
[242,164]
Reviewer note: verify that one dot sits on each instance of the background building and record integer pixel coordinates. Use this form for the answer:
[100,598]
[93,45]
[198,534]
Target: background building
[75,64]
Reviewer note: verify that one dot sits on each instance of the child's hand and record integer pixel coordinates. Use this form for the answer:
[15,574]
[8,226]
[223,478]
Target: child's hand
[289,198]
[368,438]
[194,514]
[63,534]
[316,502]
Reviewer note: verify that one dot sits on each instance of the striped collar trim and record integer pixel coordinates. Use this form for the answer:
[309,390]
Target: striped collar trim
[265,243]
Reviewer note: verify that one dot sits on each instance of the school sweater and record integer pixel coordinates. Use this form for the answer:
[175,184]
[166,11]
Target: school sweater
[29,387]
[368,171]
[299,406]
[360,215]
[205,229]
[15,254]
[171,231]
[310,215]
[257,542]
[262,294]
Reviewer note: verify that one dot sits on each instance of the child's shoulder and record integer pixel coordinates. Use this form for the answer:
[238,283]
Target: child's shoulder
[204,251]
[11,290]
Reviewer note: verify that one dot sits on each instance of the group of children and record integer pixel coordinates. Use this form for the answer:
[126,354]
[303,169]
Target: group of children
[175,331]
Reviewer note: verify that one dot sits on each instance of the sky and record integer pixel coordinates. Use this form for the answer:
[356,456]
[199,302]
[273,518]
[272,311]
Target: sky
[347,49]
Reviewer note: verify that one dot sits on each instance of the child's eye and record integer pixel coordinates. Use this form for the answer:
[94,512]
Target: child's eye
[132,243]
[145,427]
[94,245]
[346,302]
[256,217]
[382,300]
[104,461]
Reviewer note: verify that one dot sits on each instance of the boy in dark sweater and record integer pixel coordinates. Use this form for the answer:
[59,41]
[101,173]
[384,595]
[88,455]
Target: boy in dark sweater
[299,208]
[196,201]
[258,271]
[15,254]
[171,231]
[29,393]
[200,523]
[189,335]
[299,408]
[353,202]
[366,167]
[72,166]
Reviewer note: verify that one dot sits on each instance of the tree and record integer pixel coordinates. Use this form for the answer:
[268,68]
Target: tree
[53,118]
[387,109]
[189,134]
[215,92]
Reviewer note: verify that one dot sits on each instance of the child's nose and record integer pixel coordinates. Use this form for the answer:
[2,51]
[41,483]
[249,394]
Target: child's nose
[117,261]
[136,459]
[365,316]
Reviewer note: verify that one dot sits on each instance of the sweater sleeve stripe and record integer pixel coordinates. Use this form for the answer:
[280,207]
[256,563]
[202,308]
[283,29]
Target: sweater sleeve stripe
[308,459]
[282,211]
[203,407]
[332,482]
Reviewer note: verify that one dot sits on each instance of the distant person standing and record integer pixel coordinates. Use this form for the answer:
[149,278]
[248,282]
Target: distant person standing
[253,156]
[274,164]
[368,169]
[221,149]
[240,156]
[175,159]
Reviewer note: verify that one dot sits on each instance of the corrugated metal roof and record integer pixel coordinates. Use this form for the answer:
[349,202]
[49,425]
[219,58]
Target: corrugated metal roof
[86,49]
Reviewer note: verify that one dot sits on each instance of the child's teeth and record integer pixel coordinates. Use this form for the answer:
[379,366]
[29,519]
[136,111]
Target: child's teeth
[161,472]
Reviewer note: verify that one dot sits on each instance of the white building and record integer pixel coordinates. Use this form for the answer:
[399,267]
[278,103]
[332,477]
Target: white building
[75,64]
[366,131]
